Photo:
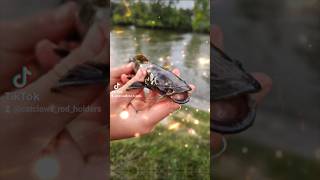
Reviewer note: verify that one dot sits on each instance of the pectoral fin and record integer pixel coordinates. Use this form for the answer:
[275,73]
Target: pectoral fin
[136,85]
[84,74]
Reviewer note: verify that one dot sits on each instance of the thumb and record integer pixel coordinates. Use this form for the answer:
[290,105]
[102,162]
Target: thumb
[54,25]
[216,36]
[46,124]
[124,95]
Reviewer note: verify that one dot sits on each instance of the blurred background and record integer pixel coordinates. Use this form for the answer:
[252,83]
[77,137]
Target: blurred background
[173,34]
[282,39]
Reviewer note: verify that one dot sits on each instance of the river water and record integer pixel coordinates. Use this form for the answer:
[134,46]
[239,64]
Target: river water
[189,52]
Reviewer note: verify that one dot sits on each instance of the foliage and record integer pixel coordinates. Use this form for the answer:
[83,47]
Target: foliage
[163,154]
[157,14]
[201,20]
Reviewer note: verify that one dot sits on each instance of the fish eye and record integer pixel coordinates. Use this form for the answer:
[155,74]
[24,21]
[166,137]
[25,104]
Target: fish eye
[169,91]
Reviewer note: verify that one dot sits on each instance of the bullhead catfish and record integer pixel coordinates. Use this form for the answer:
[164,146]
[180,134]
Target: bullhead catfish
[166,83]
[231,85]
[161,80]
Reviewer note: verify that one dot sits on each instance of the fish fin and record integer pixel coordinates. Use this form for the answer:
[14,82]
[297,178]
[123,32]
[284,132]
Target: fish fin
[229,78]
[84,74]
[136,85]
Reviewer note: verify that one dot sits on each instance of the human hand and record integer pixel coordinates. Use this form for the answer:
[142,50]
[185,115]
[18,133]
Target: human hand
[232,107]
[20,38]
[134,113]
[34,131]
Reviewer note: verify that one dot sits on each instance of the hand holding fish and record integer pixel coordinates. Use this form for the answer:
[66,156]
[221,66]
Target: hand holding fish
[29,138]
[134,113]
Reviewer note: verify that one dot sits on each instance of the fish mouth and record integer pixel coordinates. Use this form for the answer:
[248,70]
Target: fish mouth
[180,98]
[233,115]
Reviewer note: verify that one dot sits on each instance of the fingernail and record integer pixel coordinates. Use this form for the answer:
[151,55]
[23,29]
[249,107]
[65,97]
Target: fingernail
[143,71]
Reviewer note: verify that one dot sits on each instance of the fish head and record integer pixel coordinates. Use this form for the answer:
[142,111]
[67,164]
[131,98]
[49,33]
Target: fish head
[174,87]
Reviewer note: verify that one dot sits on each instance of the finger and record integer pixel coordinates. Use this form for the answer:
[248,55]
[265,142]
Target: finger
[266,84]
[124,78]
[216,36]
[90,130]
[115,73]
[69,155]
[176,71]
[45,54]
[151,98]
[159,111]
[193,88]
[54,25]
[47,124]
[215,141]
[126,95]
[139,101]
[124,69]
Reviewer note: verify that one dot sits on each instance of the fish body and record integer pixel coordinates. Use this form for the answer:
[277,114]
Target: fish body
[231,83]
[229,78]
[163,81]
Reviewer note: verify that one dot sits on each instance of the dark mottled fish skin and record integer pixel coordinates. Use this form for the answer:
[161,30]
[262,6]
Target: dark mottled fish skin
[161,80]
[84,74]
[230,80]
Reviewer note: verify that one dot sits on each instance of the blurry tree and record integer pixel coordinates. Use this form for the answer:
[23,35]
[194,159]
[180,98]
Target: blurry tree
[201,16]
[162,14]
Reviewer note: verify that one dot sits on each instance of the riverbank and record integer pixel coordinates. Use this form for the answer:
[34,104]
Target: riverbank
[162,16]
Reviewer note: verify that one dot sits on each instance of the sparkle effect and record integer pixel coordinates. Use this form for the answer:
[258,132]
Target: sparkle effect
[137,135]
[174,126]
[124,115]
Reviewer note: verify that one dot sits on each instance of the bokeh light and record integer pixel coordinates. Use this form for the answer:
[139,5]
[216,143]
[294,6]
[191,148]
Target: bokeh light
[124,114]
[47,168]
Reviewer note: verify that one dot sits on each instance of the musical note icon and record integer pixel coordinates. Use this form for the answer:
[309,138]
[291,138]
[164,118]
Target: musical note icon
[20,80]
[117,86]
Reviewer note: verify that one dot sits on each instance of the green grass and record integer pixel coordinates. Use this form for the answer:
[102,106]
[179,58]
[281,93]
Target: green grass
[166,154]
[261,162]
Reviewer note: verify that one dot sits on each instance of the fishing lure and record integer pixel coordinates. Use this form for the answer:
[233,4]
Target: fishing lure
[231,83]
